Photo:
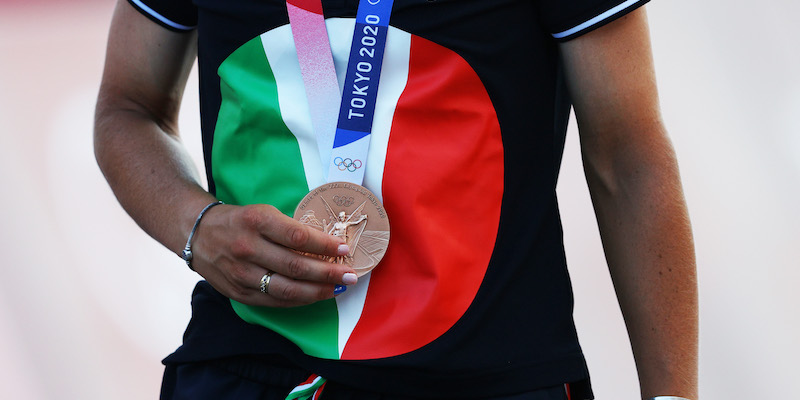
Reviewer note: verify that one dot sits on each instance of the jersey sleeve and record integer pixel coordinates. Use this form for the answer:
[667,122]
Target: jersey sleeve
[175,15]
[568,19]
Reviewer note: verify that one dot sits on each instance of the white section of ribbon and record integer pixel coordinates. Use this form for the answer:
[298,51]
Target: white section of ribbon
[312,44]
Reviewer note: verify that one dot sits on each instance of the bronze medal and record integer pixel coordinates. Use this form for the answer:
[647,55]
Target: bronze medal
[350,211]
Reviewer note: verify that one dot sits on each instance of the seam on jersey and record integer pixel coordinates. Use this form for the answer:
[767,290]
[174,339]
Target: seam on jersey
[160,17]
[596,20]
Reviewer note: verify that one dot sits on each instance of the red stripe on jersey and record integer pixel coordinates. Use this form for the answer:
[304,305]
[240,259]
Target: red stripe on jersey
[442,189]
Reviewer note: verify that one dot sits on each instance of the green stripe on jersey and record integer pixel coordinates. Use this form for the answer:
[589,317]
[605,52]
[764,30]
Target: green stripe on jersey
[309,327]
[256,159]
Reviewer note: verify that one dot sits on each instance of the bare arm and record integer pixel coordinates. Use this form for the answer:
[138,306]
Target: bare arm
[633,179]
[139,150]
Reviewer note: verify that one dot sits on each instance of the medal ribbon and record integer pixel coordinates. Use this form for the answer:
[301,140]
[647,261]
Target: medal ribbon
[344,148]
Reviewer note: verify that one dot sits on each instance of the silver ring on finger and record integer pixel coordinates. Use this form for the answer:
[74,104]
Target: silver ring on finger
[264,285]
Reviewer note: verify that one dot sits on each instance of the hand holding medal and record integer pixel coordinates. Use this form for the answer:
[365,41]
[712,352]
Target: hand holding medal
[248,251]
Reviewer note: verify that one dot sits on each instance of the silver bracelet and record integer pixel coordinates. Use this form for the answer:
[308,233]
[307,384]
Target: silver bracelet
[186,254]
[667,398]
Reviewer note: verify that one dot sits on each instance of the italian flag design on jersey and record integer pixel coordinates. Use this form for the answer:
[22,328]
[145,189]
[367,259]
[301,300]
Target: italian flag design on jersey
[435,160]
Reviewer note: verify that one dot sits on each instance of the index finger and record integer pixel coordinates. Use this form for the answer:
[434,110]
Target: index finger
[288,232]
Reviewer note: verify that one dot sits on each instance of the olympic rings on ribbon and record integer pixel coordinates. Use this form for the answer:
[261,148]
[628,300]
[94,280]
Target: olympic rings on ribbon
[347,164]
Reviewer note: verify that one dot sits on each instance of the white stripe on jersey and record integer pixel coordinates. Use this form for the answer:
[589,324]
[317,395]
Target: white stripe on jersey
[160,17]
[596,20]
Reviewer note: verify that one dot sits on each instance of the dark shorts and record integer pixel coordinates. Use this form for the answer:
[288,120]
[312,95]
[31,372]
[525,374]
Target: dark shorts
[270,378]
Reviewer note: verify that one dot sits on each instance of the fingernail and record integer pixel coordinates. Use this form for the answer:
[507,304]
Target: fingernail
[343,250]
[350,278]
[339,289]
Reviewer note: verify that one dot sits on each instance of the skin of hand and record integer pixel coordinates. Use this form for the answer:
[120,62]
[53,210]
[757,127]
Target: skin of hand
[237,243]
[139,150]
[635,186]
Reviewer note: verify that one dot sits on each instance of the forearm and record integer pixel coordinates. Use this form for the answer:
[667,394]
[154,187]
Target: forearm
[136,136]
[648,243]
[149,170]
[633,179]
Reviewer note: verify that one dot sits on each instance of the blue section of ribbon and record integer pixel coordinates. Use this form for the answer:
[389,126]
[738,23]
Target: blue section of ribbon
[360,92]
[381,8]
[344,137]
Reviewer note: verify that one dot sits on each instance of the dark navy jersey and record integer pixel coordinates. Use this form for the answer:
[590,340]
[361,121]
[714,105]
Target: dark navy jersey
[472,298]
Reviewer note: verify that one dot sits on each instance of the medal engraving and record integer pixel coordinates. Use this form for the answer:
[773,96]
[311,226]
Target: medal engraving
[353,213]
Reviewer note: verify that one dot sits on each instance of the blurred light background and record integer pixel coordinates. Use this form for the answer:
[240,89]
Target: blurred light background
[89,304]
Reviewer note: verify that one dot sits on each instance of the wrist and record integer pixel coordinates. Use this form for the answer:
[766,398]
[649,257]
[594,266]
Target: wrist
[186,254]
